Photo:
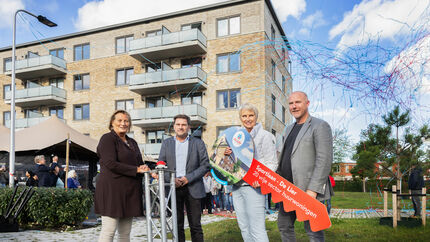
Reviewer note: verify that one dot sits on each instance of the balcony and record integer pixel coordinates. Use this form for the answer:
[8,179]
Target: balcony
[167,45]
[37,96]
[184,80]
[152,150]
[36,67]
[27,122]
[163,116]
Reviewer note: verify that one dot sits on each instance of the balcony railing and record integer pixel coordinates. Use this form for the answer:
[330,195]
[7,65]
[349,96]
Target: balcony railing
[188,42]
[150,149]
[152,117]
[169,80]
[35,67]
[27,122]
[38,96]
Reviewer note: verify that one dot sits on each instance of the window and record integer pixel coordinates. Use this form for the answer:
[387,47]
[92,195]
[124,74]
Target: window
[336,169]
[283,114]
[31,55]
[283,84]
[154,33]
[7,64]
[273,104]
[81,112]
[227,99]
[191,62]
[274,132]
[194,98]
[57,52]
[273,70]
[123,44]
[6,117]
[31,84]
[154,137]
[81,82]
[6,88]
[221,129]
[124,104]
[154,67]
[31,113]
[59,111]
[346,168]
[192,26]
[272,33]
[228,62]
[228,26]
[81,52]
[57,82]
[123,76]
[154,102]
[283,54]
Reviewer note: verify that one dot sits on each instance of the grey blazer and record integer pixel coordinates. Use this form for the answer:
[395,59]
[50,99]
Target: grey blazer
[311,157]
[197,163]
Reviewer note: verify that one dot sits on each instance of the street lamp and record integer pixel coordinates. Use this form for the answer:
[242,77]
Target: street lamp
[46,22]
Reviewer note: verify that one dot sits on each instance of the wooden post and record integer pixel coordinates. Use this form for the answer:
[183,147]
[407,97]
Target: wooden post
[394,190]
[385,203]
[423,206]
[67,158]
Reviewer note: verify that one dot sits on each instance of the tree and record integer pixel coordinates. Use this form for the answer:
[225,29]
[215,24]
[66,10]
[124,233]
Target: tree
[342,147]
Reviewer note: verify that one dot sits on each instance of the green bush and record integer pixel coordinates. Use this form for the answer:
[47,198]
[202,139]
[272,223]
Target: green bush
[371,185]
[51,207]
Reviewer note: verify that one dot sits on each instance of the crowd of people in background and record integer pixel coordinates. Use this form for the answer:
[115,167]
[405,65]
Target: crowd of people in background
[218,197]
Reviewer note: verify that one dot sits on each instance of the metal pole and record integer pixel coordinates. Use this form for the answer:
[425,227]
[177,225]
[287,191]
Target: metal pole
[162,205]
[148,208]
[12,110]
[173,206]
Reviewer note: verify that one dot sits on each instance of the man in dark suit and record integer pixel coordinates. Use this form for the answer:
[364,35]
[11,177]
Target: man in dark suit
[305,161]
[188,157]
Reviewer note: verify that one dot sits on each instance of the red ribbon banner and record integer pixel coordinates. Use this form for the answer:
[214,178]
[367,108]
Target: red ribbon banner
[294,199]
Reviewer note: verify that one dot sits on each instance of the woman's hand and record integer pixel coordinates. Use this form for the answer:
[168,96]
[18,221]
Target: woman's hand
[228,151]
[142,168]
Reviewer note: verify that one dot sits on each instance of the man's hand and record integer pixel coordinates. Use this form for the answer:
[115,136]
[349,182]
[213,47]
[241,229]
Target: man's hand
[255,184]
[184,180]
[311,193]
[178,182]
[228,151]
[142,168]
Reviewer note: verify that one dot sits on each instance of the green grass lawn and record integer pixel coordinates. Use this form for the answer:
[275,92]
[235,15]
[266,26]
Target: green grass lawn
[367,200]
[342,230]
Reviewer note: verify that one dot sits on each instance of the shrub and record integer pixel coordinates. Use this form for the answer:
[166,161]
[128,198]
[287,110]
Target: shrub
[51,207]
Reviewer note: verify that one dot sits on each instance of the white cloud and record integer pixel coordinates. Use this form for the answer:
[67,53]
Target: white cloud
[378,19]
[335,113]
[312,21]
[7,10]
[284,8]
[101,13]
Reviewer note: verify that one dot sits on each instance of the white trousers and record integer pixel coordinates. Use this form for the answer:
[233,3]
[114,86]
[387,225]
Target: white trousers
[110,225]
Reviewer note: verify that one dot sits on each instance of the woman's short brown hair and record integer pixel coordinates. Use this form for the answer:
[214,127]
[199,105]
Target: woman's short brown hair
[112,118]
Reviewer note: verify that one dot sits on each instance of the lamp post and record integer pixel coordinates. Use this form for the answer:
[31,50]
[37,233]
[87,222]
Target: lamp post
[46,22]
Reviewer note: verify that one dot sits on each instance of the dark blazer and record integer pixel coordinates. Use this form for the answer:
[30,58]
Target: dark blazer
[311,157]
[44,173]
[119,188]
[197,163]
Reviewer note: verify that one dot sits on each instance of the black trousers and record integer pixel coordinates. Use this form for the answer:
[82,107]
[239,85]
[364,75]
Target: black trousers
[207,202]
[193,208]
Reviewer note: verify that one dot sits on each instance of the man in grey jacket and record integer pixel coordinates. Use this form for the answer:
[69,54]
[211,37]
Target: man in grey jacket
[305,161]
[188,156]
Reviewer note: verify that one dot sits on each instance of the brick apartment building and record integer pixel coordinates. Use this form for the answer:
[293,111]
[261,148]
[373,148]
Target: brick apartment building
[204,62]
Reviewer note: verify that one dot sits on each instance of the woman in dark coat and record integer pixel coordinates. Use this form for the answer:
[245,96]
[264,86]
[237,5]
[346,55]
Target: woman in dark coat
[119,187]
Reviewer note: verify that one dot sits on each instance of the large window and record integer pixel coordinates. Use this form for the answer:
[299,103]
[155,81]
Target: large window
[283,84]
[273,70]
[81,111]
[283,114]
[57,82]
[221,129]
[6,88]
[123,44]
[124,104]
[6,61]
[81,82]
[154,33]
[154,136]
[192,26]
[191,98]
[228,62]
[81,52]
[6,117]
[59,111]
[154,102]
[272,33]
[123,76]
[227,99]
[273,105]
[153,67]
[228,26]
[31,113]
[197,61]
[57,52]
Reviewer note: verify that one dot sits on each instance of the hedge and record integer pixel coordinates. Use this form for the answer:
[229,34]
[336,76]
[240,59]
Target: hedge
[371,185]
[51,207]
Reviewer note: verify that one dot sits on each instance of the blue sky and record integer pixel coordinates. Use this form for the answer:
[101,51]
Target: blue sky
[355,59]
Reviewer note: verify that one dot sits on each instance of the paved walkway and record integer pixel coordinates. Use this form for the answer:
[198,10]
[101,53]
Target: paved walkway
[138,232]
